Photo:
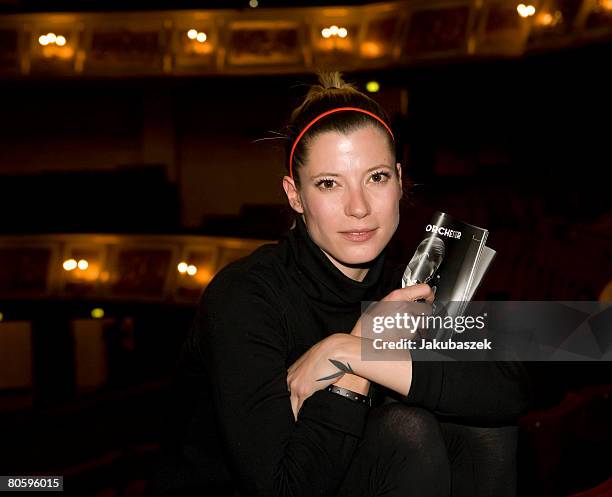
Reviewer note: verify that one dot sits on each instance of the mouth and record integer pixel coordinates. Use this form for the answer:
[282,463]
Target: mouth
[359,235]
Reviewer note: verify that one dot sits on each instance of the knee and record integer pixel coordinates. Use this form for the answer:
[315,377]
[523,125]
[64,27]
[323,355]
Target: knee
[409,429]
[399,420]
[409,444]
[497,446]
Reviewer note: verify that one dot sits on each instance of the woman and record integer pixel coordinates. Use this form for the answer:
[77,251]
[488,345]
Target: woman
[275,330]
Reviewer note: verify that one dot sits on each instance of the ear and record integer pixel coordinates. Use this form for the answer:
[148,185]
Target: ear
[293,195]
[398,168]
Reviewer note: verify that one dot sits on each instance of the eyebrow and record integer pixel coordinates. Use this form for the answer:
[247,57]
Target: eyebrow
[336,174]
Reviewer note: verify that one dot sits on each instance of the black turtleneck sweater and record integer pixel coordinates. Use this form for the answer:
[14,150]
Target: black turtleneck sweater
[256,317]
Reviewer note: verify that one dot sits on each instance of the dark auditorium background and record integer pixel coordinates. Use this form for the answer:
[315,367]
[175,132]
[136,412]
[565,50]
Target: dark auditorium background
[139,154]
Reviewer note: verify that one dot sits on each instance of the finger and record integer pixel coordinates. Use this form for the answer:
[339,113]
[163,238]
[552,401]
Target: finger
[431,296]
[294,405]
[421,291]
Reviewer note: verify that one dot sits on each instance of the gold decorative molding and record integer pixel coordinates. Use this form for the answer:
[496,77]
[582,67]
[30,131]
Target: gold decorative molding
[169,268]
[291,40]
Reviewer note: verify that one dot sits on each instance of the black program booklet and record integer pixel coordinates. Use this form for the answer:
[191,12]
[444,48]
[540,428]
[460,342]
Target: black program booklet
[452,258]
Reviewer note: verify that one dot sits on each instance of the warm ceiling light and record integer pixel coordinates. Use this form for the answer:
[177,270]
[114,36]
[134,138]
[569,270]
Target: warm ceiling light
[201,37]
[342,32]
[70,264]
[191,34]
[60,41]
[548,19]
[371,49]
[253,3]
[191,270]
[83,264]
[182,267]
[333,30]
[43,40]
[51,37]
[525,10]
[325,33]
[545,19]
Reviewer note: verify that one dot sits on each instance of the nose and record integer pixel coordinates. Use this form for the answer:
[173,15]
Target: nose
[357,204]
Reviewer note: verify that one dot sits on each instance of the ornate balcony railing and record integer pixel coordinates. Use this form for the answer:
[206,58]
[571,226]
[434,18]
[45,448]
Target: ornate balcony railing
[291,40]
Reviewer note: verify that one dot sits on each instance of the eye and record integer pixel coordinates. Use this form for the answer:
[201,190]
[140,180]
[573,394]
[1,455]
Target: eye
[380,176]
[325,183]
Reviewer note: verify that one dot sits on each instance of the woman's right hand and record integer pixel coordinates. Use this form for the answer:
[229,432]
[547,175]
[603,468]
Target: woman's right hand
[314,370]
[412,293]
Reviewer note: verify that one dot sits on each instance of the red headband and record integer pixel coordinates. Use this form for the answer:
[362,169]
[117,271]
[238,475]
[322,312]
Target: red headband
[332,111]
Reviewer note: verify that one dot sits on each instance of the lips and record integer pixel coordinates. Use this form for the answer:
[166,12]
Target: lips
[360,235]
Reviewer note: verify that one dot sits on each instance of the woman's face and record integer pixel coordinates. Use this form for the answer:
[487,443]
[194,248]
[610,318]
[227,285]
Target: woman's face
[349,196]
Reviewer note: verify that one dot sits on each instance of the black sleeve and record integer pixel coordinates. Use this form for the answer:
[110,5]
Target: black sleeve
[239,331]
[486,393]
[479,392]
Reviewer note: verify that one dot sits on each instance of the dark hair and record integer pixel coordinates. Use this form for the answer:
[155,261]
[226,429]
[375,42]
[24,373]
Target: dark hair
[330,93]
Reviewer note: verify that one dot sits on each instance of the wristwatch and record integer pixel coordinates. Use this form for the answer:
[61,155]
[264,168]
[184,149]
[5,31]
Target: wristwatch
[349,394]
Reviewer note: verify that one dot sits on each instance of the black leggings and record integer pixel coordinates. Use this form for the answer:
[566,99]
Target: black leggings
[406,451]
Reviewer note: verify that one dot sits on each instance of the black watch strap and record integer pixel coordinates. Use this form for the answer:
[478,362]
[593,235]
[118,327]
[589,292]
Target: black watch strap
[349,394]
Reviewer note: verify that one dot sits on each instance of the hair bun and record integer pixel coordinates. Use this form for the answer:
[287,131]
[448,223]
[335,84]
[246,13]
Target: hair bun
[332,80]
[329,81]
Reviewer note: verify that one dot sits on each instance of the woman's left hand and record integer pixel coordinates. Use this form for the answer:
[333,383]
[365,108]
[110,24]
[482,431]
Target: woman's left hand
[314,370]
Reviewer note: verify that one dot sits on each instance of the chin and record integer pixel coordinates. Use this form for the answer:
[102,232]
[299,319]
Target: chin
[358,255]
